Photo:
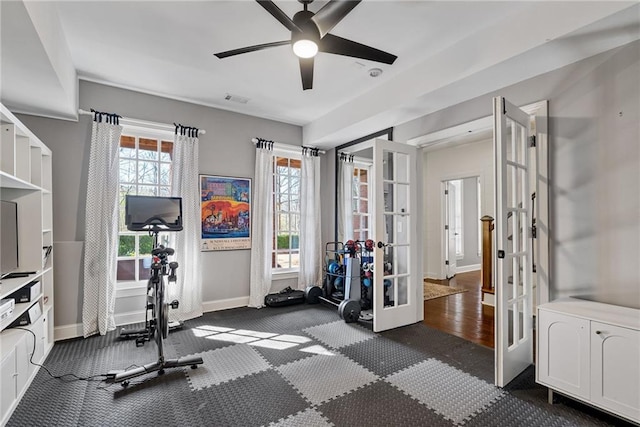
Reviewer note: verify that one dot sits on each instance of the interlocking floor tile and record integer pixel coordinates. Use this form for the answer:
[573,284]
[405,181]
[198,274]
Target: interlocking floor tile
[431,342]
[278,320]
[339,334]
[382,356]
[147,398]
[518,413]
[320,378]
[473,359]
[307,418]
[41,406]
[255,400]
[450,392]
[385,406]
[277,357]
[192,340]
[226,364]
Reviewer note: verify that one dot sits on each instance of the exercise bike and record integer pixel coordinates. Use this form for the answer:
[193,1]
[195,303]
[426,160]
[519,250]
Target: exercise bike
[146,333]
[161,270]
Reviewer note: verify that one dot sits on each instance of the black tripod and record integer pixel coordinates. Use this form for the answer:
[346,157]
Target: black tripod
[158,326]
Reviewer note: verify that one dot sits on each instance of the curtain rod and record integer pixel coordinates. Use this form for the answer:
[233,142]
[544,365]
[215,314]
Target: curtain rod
[286,147]
[144,123]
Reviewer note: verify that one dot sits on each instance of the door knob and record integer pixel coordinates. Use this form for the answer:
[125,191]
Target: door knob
[382,245]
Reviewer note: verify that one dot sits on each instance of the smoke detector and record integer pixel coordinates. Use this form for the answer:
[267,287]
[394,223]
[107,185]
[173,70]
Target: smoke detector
[375,72]
[236,98]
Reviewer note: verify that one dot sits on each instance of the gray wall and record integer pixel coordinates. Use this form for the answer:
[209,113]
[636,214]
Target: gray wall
[594,128]
[225,149]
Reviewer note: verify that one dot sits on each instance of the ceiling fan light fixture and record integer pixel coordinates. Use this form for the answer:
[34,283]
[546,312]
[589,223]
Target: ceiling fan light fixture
[305,48]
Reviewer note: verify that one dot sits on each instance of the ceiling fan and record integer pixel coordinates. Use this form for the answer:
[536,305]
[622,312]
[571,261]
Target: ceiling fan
[310,35]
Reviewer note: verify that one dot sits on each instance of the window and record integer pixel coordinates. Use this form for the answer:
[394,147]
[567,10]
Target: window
[145,169]
[286,218]
[361,215]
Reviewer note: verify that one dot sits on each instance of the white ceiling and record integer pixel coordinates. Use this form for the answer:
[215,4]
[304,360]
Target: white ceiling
[447,52]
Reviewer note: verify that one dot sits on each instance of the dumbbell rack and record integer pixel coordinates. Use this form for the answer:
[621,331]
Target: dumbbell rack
[333,256]
[339,267]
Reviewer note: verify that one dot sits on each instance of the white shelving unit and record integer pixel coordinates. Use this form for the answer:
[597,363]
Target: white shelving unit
[25,178]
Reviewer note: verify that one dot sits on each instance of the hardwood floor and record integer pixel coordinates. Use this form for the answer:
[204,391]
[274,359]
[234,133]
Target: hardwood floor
[462,314]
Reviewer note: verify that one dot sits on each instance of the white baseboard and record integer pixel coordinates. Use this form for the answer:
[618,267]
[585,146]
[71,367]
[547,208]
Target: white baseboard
[467,268]
[488,299]
[129,317]
[224,304]
[67,332]
[75,330]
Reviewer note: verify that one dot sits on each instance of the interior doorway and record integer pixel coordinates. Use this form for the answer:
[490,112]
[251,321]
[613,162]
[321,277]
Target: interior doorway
[452,229]
[377,183]
[464,142]
[461,229]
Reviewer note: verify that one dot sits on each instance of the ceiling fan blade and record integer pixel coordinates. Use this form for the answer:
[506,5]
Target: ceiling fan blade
[306,72]
[332,13]
[340,46]
[248,49]
[277,13]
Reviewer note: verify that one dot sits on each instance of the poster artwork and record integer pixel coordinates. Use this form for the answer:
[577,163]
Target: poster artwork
[225,213]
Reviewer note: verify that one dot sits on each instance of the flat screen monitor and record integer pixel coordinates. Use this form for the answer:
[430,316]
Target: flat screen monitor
[144,213]
[8,237]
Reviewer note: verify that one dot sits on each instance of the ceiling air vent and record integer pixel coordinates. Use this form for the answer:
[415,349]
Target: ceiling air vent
[236,98]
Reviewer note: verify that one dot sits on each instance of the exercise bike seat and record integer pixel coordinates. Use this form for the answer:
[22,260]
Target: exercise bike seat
[162,251]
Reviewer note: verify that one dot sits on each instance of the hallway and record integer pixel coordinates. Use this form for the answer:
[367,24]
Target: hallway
[462,314]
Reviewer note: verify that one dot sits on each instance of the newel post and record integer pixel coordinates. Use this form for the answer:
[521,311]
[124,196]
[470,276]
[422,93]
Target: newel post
[487,252]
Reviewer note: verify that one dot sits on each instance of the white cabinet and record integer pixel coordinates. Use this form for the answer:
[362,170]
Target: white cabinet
[563,350]
[591,351]
[615,377]
[25,180]
[7,380]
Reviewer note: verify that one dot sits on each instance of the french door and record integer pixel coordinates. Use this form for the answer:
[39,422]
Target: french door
[397,293]
[513,290]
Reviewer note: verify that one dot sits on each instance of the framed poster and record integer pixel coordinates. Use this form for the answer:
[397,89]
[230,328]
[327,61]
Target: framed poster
[225,213]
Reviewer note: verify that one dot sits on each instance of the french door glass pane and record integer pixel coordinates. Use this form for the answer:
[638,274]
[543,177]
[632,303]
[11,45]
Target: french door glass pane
[402,290]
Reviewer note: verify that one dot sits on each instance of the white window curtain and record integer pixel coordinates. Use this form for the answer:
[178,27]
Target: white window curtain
[345,197]
[262,225]
[101,227]
[310,273]
[185,183]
